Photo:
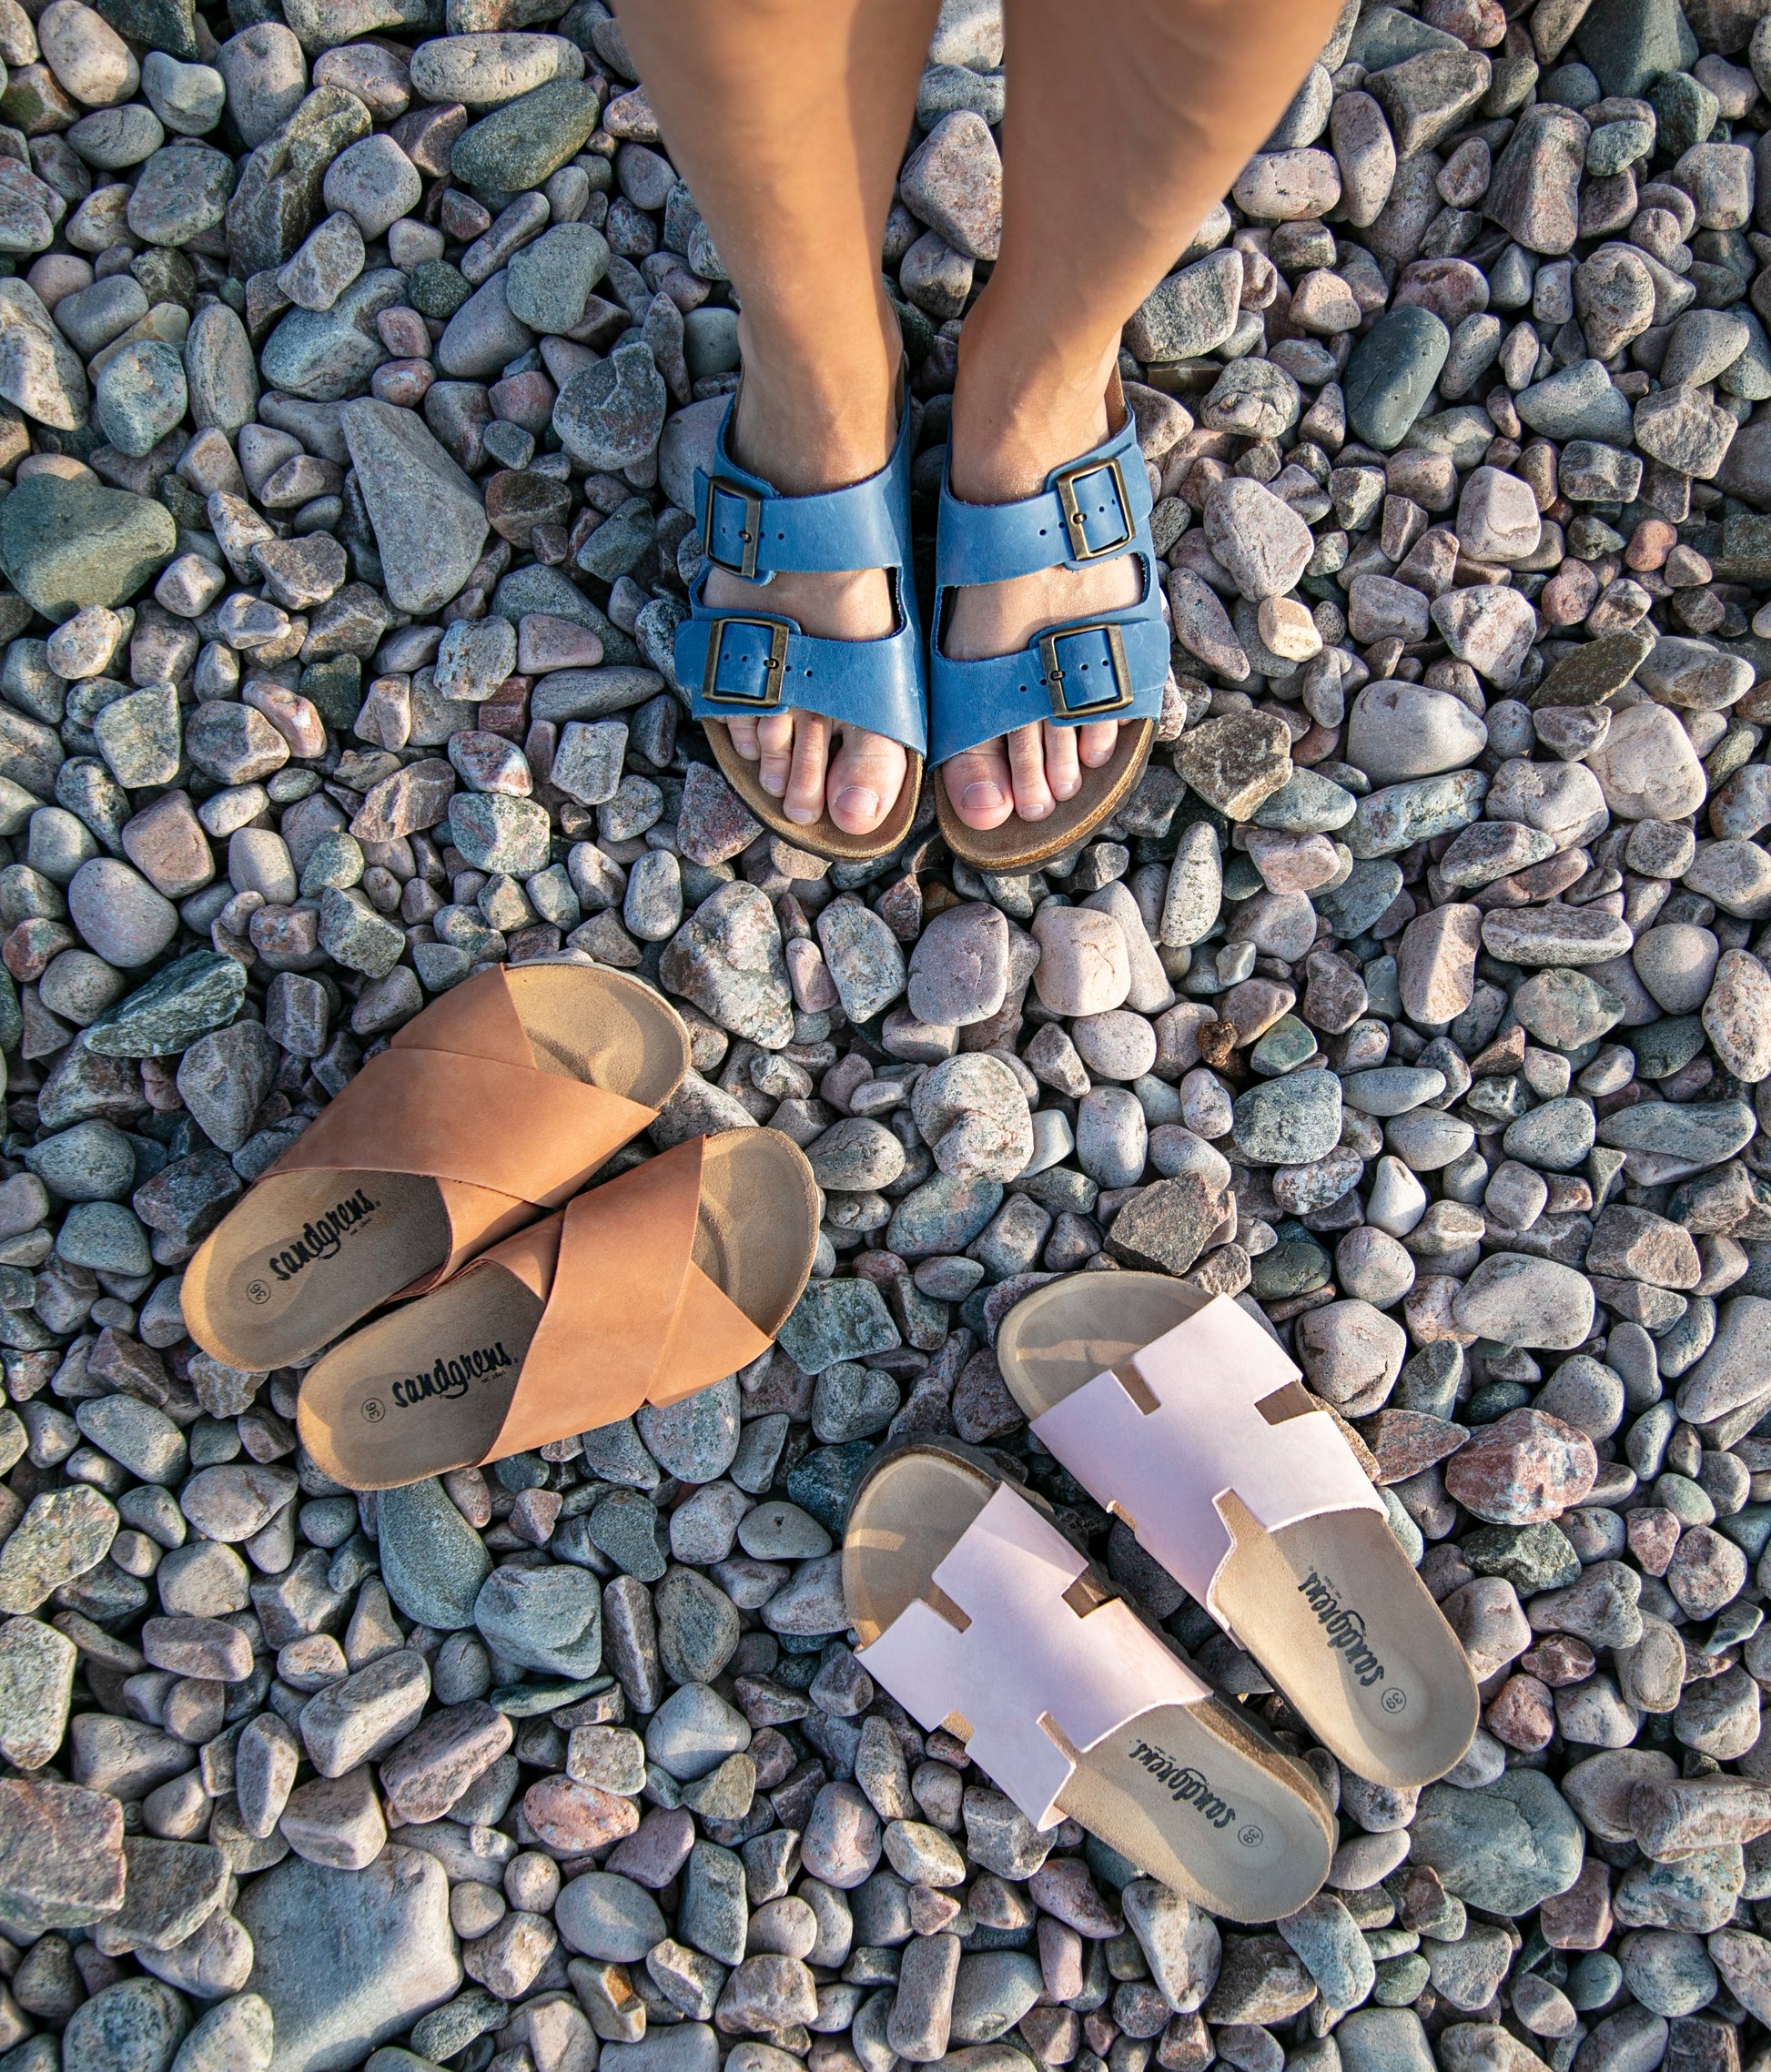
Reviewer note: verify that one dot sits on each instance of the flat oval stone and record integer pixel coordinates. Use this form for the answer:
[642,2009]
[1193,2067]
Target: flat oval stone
[1288,1121]
[1391,374]
[1405,729]
[1527,1301]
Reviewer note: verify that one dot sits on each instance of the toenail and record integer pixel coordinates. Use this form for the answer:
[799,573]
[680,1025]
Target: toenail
[1037,810]
[983,797]
[859,803]
[801,815]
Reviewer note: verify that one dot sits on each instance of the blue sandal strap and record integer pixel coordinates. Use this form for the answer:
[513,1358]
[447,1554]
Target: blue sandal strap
[1109,668]
[738,663]
[1088,510]
[1112,667]
[749,529]
[745,666]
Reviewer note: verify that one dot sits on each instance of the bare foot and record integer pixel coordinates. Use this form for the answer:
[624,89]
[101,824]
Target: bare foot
[804,760]
[809,763]
[1035,768]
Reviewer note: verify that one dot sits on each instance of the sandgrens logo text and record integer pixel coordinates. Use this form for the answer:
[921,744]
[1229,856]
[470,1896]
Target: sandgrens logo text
[1186,1785]
[451,1377]
[320,1239]
[1343,1627]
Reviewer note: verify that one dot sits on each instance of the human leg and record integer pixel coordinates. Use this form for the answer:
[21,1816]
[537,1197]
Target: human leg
[1115,145]
[787,118]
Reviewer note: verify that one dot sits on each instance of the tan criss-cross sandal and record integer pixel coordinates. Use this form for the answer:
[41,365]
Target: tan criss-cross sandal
[497,1103]
[978,1615]
[1183,1417]
[655,1284]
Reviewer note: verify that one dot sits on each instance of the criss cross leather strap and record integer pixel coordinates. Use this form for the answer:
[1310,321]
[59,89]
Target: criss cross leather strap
[1110,667]
[748,663]
[630,1319]
[456,1096]
[1212,1408]
[1038,1666]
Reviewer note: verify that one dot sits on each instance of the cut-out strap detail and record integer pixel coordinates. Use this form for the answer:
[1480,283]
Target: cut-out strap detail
[1039,1671]
[1210,1434]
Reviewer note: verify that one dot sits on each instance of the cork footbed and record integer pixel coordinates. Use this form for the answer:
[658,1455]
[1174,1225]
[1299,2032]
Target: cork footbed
[756,1231]
[1024,845]
[1062,1336]
[1270,1857]
[598,1027]
[821,837]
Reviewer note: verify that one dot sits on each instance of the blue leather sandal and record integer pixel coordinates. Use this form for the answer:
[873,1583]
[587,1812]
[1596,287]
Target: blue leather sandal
[744,664]
[1111,667]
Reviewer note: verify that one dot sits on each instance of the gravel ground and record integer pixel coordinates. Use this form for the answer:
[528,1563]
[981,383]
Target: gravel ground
[1417,996]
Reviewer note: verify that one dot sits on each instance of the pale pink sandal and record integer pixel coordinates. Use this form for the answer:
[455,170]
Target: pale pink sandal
[1185,1418]
[978,1615]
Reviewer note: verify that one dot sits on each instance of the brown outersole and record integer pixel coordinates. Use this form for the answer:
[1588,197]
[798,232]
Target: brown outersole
[822,837]
[1023,845]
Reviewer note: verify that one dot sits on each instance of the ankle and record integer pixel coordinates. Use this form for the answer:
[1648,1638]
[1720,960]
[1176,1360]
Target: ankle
[814,421]
[1019,412]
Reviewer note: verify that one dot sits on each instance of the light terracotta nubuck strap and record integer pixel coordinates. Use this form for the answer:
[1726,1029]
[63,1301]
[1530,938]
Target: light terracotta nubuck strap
[1038,1666]
[457,1096]
[629,1318]
[1212,1408]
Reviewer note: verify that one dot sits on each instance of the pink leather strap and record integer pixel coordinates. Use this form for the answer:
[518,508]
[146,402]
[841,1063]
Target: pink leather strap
[1037,1667]
[1212,1408]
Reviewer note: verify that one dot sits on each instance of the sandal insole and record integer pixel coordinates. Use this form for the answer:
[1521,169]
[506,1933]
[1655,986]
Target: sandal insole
[1299,1599]
[308,1253]
[1194,1795]
[426,1388]
[1022,845]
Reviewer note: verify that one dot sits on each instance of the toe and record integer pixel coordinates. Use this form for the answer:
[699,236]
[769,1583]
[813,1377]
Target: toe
[1027,764]
[1095,746]
[1062,775]
[866,778]
[744,738]
[804,790]
[978,785]
[774,741]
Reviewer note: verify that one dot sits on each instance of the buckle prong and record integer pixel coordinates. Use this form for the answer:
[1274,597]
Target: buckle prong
[774,665]
[1062,707]
[750,533]
[1076,519]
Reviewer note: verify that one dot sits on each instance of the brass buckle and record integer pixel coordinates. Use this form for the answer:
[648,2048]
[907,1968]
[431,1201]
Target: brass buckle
[1090,709]
[775,666]
[1076,521]
[749,532]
